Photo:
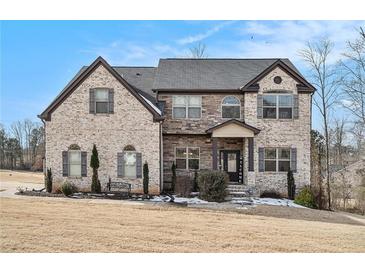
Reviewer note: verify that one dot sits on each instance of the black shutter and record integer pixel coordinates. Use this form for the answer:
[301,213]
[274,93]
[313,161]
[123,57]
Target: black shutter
[83,163]
[120,164]
[64,163]
[111,101]
[296,106]
[92,101]
[261,159]
[139,164]
[250,154]
[293,159]
[259,106]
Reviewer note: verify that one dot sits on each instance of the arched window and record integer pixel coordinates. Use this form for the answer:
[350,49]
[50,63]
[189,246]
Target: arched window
[231,107]
[130,161]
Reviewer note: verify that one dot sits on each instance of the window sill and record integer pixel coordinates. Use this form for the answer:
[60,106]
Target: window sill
[75,177]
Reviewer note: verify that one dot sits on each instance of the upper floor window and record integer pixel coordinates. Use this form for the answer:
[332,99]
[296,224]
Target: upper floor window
[231,107]
[187,157]
[186,107]
[278,106]
[101,100]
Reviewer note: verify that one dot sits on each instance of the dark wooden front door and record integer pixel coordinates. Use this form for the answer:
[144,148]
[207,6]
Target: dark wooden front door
[230,161]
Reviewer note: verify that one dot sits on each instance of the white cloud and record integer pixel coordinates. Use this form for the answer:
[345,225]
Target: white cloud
[286,38]
[201,36]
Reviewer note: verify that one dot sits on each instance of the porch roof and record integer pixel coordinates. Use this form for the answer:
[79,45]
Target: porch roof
[233,128]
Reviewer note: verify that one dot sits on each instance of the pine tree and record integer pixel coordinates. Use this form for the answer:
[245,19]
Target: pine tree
[94,164]
[173,178]
[291,185]
[146,178]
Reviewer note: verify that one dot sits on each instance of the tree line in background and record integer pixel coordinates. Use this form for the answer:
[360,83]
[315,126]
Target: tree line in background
[341,142]
[22,146]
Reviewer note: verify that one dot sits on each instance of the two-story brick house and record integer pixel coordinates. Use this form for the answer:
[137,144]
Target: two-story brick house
[249,117]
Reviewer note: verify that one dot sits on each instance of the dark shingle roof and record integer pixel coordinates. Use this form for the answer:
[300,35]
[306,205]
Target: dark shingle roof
[209,74]
[139,77]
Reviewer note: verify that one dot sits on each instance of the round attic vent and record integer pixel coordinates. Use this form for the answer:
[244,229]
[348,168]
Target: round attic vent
[277,80]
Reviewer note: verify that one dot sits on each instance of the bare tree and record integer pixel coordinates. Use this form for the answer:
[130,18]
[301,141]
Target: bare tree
[17,131]
[198,51]
[338,135]
[323,76]
[353,77]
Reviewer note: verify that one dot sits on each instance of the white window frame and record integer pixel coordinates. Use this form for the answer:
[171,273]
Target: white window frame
[186,105]
[124,163]
[101,101]
[187,158]
[277,107]
[69,163]
[230,105]
[277,159]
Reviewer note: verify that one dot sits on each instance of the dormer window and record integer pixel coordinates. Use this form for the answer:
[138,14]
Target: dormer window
[231,107]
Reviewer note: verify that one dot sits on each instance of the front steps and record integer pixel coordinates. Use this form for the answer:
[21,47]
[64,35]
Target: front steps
[240,194]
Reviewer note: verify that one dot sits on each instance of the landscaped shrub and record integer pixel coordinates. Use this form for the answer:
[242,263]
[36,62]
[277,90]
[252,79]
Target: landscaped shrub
[212,185]
[271,194]
[195,181]
[68,188]
[146,178]
[173,178]
[291,185]
[306,198]
[94,164]
[49,180]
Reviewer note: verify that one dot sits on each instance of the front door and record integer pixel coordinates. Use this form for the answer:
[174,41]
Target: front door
[230,160]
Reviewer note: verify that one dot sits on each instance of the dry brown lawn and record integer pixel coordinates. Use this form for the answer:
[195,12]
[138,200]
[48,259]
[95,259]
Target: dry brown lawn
[21,176]
[60,225]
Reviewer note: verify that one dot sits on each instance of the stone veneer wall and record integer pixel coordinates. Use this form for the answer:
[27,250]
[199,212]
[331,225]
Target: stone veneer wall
[280,133]
[131,124]
[170,142]
[211,114]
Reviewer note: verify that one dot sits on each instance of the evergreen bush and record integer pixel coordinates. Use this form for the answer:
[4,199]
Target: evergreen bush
[68,188]
[212,185]
[146,178]
[306,198]
[291,185]
[49,180]
[195,181]
[94,164]
[173,178]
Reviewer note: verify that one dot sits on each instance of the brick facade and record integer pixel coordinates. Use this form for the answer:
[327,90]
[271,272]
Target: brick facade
[130,124]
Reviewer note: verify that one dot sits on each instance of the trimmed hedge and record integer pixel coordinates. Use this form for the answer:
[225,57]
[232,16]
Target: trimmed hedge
[212,185]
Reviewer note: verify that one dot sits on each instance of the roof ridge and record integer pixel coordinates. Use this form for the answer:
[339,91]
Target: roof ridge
[285,58]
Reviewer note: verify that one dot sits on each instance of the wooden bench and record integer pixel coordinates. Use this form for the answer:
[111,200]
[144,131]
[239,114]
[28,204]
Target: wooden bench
[118,187]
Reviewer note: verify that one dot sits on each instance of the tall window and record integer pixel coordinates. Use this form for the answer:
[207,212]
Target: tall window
[74,158]
[130,162]
[186,107]
[231,107]
[277,159]
[187,157]
[278,106]
[101,100]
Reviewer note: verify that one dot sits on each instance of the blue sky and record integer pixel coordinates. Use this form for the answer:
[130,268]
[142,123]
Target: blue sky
[38,58]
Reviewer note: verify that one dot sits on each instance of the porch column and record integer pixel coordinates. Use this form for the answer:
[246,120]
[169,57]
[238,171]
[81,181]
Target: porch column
[214,154]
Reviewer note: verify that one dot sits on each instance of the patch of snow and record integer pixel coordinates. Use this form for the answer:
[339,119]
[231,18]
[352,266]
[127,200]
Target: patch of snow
[191,201]
[151,104]
[275,202]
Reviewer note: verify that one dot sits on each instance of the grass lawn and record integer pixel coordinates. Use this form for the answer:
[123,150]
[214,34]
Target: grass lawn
[59,225]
